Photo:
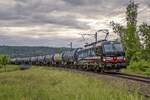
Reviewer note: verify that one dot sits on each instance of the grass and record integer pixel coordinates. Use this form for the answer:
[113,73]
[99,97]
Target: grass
[9,68]
[42,83]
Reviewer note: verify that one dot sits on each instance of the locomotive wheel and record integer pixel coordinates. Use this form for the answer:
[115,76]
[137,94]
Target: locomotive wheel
[86,67]
[102,70]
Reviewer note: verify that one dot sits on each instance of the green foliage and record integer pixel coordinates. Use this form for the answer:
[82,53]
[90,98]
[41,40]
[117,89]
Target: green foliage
[145,33]
[129,36]
[136,57]
[146,55]
[138,54]
[131,42]
[119,29]
[4,61]
[51,84]
[131,14]
[142,67]
[141,55]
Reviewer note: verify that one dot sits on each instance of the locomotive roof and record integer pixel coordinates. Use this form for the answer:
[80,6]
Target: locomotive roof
[99,43]
[95,43]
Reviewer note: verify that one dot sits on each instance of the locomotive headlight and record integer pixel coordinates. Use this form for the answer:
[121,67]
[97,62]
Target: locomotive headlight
[124,59]
[104,59]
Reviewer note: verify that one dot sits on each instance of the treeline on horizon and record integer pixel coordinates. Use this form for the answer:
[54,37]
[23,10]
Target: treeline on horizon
[26,51]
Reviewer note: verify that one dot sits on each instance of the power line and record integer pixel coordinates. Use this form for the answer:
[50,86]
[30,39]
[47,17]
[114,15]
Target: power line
[95,35]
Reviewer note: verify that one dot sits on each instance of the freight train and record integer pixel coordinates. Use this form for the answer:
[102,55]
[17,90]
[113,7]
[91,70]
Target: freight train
[98,56]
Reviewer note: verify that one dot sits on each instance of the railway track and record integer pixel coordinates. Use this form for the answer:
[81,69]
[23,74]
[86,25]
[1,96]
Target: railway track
[137,78]
[131,77]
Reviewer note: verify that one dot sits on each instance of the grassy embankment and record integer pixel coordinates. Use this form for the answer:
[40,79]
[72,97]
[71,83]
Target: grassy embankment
[39,83]
[141,67]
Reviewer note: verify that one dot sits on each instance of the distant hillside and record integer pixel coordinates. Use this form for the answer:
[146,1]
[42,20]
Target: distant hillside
[24,51]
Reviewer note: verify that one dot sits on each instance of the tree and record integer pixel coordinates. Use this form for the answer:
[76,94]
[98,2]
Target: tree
[144,30]
[131,14]
[145,33]
[132,37]
[129,36]
[118,29]
[4,61]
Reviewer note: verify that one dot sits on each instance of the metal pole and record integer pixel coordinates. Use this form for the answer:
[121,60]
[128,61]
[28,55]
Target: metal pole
[71,45]
[96,37]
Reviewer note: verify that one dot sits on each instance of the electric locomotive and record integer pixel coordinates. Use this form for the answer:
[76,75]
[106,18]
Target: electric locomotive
[102,55]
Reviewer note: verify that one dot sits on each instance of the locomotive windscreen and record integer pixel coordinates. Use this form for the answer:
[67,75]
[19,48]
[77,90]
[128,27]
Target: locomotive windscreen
[117,47]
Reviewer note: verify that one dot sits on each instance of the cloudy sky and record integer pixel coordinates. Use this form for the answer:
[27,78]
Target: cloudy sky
[58,22]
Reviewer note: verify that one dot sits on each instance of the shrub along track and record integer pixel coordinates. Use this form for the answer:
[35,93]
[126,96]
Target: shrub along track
[135,83]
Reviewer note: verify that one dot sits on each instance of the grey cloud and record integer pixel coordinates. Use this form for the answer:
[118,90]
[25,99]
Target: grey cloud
[59,14]
[23,41]
[31,12]
[84,2]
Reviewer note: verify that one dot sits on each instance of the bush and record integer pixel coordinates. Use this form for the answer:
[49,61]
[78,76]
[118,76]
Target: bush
[136,57]
[4,61]
[140,67]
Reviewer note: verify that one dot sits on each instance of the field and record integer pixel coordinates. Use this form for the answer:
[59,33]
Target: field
[43,83]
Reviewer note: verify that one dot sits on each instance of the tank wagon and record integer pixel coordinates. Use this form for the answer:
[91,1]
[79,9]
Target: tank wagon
[40,60]
[97,56]
[12,61]
[49,59]
[33,60]
[58,59]
[70,57]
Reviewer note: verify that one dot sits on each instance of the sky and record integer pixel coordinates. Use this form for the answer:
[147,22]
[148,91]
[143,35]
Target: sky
[57,22]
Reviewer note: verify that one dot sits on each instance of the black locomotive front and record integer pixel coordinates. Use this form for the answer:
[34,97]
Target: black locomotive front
[113,55]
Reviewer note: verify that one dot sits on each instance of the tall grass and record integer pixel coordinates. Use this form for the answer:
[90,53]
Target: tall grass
[51,84]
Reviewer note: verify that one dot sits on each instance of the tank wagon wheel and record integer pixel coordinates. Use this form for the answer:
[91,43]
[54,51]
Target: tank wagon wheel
[85,67]
[89,67]
[98,69]
[80,67]
[76,66]
[95,68]
[102,70]
[117,70]
[73,66]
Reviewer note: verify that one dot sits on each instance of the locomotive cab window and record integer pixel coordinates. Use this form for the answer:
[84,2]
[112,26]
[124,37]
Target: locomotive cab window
[113,47]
